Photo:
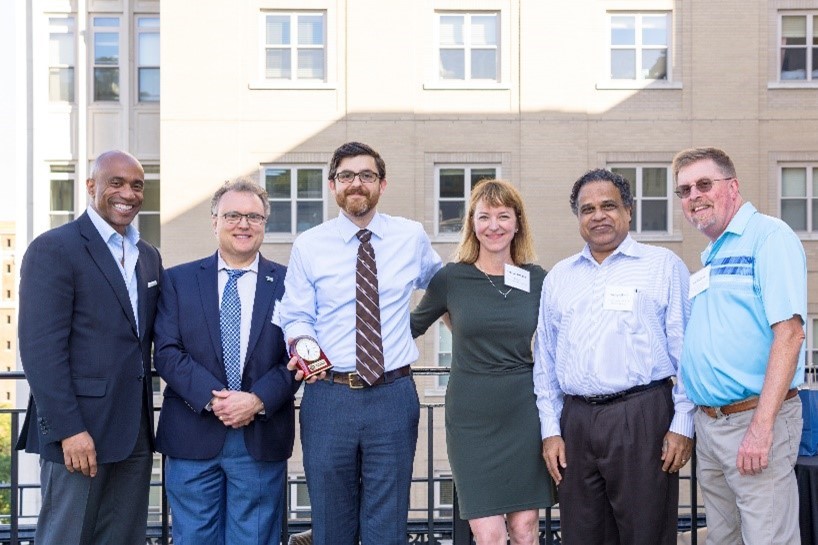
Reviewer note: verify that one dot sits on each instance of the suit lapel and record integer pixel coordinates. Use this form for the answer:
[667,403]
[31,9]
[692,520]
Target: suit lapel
[101,255]
[208,282]
[142,290]
[266,283]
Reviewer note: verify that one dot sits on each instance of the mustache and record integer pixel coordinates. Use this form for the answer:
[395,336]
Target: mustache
[354,191]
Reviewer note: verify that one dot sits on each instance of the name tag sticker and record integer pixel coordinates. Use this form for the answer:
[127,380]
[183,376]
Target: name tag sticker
[275,319]
[699,282]
[619,298]
[515,277]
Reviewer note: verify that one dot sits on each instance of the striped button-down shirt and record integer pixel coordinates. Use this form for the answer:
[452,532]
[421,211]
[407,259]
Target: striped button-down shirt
[605,328]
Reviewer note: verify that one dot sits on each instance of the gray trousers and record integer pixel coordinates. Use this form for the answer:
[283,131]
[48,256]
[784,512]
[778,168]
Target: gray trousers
[108,509]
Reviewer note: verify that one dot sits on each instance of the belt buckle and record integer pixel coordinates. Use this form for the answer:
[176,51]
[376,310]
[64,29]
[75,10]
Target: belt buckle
[718,412]
[355,381]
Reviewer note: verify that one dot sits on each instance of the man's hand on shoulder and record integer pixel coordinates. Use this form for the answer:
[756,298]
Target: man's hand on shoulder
[80,454]
[553,452]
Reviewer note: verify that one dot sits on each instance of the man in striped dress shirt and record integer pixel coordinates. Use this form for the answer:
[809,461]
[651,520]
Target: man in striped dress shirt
[616,426]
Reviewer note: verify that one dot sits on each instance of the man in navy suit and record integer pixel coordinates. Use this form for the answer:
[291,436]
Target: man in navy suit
[227,419]
[88,296]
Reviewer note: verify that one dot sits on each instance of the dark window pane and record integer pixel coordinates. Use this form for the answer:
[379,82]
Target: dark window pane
[654,216]
[654,182]
[151,194]
[794,213]
[451,217]
[452,182]
[148,85]
[310,214]
[149,228]
[310,183]
[62,195]
[478,174]
[794,64]
[277,183]
[629,174]
[280,220]
[815,219]
[106,84]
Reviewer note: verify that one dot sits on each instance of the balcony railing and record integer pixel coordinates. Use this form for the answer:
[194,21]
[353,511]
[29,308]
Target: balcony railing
[431,524]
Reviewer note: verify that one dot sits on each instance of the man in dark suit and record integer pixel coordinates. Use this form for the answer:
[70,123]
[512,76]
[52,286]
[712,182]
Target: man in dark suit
[88,296]
[227,419]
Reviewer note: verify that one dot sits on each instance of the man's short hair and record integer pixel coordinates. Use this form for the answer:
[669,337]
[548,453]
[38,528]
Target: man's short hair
[354,149]
[602,175]
[694,155]
[242,185]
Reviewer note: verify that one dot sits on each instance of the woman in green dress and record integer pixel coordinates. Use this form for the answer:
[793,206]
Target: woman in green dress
[491,293]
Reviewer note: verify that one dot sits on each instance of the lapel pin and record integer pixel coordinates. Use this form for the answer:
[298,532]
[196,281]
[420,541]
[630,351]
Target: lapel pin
[268,278]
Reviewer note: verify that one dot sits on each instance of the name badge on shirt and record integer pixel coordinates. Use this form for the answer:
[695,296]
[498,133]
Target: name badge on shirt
[619,298]
[515,277]
[699,282]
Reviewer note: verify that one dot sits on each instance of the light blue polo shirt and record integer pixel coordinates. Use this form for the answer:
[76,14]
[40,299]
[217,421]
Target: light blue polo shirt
[758,277]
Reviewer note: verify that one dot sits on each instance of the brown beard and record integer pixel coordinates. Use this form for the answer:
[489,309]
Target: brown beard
[355,208]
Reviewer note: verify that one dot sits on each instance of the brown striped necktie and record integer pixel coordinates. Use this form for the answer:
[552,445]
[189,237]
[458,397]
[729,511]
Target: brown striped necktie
[368,343]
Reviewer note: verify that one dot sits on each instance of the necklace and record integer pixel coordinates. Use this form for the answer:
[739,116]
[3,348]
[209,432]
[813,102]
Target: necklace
[501,292]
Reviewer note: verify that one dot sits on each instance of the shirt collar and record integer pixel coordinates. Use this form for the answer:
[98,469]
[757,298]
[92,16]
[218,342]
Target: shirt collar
[348,229]
[223,266]
[736,227]
[106,231]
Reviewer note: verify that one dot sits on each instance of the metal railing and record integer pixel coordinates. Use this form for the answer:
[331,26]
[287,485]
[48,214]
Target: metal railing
[431,524]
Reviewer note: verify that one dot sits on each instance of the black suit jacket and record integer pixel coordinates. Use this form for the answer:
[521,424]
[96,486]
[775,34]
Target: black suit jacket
[86,362]
[189,358]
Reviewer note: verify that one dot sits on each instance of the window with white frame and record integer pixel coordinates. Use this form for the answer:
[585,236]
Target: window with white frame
[799,47]
[799,197]
[444,495]
[296,194]
[639,46]
[148,220]
[650,187]
[294,46]
[62,181]
[300,506]
[468,46]
[61,59]
[155,492]
[147,59]
[811,348]
[454,185]
[105,31]
[444,353]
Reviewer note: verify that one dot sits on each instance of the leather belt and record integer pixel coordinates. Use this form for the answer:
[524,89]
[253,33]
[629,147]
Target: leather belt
[603,399]
[740,406]
[354,380]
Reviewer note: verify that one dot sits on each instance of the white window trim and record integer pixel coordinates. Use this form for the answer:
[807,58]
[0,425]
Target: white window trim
[454,236]
[124,61]
[440,507]
[62,176]
[152,177]
[606,83]
[291,236]
[137,33]
[793,84]
[330,69]
[293,505]
[436,388]
[63,29]
[812,221]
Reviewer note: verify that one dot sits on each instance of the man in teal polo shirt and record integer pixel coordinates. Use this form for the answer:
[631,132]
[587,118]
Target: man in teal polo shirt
[743,356]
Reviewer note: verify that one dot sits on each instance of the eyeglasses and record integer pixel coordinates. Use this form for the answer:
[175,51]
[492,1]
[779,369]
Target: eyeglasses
[232,218]
[704,185]
[366,176]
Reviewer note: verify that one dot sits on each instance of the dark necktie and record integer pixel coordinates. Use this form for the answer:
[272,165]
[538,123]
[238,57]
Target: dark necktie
[368,343]
[230,322]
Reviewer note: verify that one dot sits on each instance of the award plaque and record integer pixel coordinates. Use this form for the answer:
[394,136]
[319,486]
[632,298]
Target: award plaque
[310,359]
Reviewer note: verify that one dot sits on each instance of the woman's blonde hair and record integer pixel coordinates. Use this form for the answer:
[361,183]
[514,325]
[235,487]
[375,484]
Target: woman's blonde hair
[496,193]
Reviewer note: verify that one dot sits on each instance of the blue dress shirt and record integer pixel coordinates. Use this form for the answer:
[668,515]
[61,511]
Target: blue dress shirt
[319,294]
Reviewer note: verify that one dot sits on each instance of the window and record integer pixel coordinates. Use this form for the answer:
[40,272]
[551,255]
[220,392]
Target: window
[454,184]
[444,496]
[147,59]
[799,47]
[812,351]
[799,197]
[468,46]
[444,353]
[650,187]
[300,506]
[639,46]
[61,59]
[294,46]
[106,59]
[148,224]
[296,196]
[155,492]
[61,201]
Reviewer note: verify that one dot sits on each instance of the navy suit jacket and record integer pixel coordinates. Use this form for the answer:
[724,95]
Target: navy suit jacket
[189,358]
[86,364]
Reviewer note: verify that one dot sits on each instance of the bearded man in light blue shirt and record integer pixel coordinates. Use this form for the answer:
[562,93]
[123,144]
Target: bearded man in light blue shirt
[615,427]
[743,356]
[358,432]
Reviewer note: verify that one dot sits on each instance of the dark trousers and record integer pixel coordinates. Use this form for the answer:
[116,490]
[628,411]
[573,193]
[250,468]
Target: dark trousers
[614,491]
[111,507]
[359,447]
